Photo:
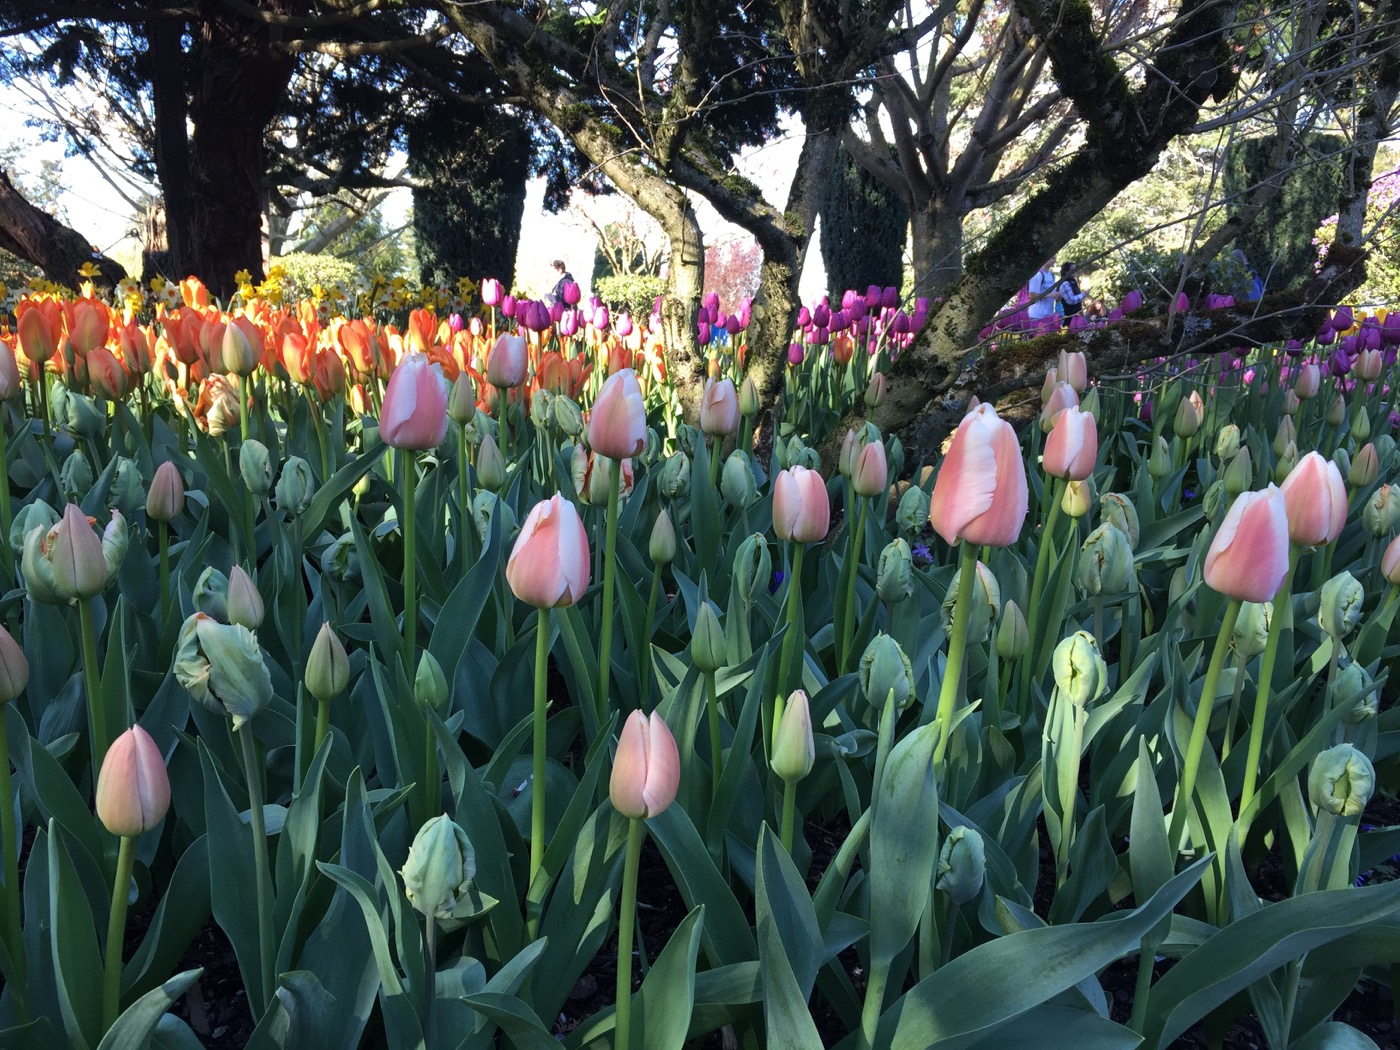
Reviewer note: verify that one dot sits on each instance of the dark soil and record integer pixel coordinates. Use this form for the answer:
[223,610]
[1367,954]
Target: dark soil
[216,1007]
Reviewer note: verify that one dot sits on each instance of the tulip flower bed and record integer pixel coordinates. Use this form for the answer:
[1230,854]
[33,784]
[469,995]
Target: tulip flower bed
[454,681]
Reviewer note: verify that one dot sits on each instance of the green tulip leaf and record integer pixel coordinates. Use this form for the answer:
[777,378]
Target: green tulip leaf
[134,1028]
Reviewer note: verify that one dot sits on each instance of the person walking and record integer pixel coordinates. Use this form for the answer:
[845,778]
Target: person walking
[1042,293]
[1070,295]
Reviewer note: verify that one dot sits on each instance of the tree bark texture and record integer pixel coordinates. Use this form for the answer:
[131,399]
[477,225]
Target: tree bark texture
[39,238]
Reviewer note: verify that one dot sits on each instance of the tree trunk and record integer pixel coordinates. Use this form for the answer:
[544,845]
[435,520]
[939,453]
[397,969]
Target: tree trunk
[167,64]
[936,233]
[241,87]
[39,238]
[685,282]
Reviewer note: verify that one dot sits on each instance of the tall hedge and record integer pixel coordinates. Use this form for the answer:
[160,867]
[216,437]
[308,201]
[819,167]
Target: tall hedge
[864,228]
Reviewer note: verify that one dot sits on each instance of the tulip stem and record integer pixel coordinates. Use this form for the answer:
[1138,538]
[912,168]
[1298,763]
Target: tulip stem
[503,424]
[537,792]
[644,674]
[98,726]
[261,868]
[430,984]
[846,632]
[716,750]
[464,494]
[1201,726]
[789,813]
[794,617]
[323,724]
[9,842]
[410,563]
[1042,564]
[116,927]
[1233,717]
[6,552]
[622,1032]
[1281,615]
[605,630]
[957,646]
[714,459]
[318,425]
[163,539]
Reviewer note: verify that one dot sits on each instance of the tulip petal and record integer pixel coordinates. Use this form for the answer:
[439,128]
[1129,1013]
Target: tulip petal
[967,480]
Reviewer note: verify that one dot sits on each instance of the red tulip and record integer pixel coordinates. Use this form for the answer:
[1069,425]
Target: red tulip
[801,508]
[415,405]
[1073,445]
[1248,559]
[646,771]
[617,426]
[133,789]
[549,565]
[1316,499]
[980,494]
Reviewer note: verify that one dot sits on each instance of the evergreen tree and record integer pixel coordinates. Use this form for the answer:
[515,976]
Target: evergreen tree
[864,224]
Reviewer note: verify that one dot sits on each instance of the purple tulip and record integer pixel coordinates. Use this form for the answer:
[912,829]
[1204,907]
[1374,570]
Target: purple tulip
[857,308]
[847,298]
[819,336]
[508,306]
[1183,304]
[1078,323]
[1339,364]
[712,301]
[534,315]
[1342,319]
[455,323]
[1325,335]
[1116,314]
[572,293]
[1132,301]
[1370,335]
[703,333]
[804,317]
[795,353]
[889,298]
[601,318]
[556,311]
[732,325]
[821,316]
[873,296]
[745,312]
[568,323]
[491,292]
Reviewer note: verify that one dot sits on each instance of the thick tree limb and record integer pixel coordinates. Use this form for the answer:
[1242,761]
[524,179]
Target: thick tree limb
[39,238]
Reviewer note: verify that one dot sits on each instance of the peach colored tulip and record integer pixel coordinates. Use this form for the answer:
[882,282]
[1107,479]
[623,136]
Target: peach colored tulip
[1390,562]
[1368,366]
[617,426]
[549,565]
[980,494]
[166,498]
[1316,498]
[646,771]
[1073,445]
[133,789]
[1248,559]
[508,362]
[415,405]
[38,331]
[241,346]
[870,469]
[89,323]
[14,668]
[801,508]
[1061,397]
[106,375]
[719,407]
[1073,368]
[1308,383]
[193,292]
[10,383]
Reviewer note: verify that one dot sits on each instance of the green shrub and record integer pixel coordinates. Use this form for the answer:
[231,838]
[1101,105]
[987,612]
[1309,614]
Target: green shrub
[634,293]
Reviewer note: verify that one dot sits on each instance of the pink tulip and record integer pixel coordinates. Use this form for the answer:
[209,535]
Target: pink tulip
[1316,499]
[1368,366]
[166,498]
[492,292]
[1308,383]
[9,374]
[980,494]
[1062,396]
[870,470]
[1073,368]
[549,565]
[646,770]
[508,363]
[415,405]
[617,427]
[133,789]
[1073,445]
[719,408]
[801,508]
[75,552]
[1390,562]
[1248,559]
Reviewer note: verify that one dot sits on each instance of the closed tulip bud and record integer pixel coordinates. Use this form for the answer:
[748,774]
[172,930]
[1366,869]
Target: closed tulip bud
[962,865]
[1013,639]
[736,482]
[646,769]
[222,667]
[1291,404]
[1073,445]
[980,494]
[1073,368]
[429,683]
[1353,680]
[1368,366]
[70,560]
[1105,563]
[1340,610]
[568,417]
[128,492]
[327,666]
[166,499]
[1159,463]
[1252,628]
[850,445]
[708,649]
[1089,403]
[986,603]
[438,872]
[1316,498]
[675,476]
[210,594]
[340,560]
[133,788]
[1078,498]
[1287,461]
[1239,475]
[542,408]
[1187,420]
[1216,502]
[255,467]
[508,362]
[461,403]
[870,470]
[414,413]
[1061,398]
[1248,559]
[1365,468]
[1336,411]
[794,751]
[1360,423]
[1227,441]
[1080,672]
[486,507]
[490,465]
[801,508]
[14,669]
[1381,512]
[1308,383]
[75,478]
[912,512]
[749,402]
[617,427]
[1116,509]
[894,580]
[753,567]
[719,408]
[295,486]
[549,565]
[800,455]
[1342,781]
[245,604]
[876,390]
[662,545]
[885,670]
[1390,562]
[1047,386]
[239,352]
